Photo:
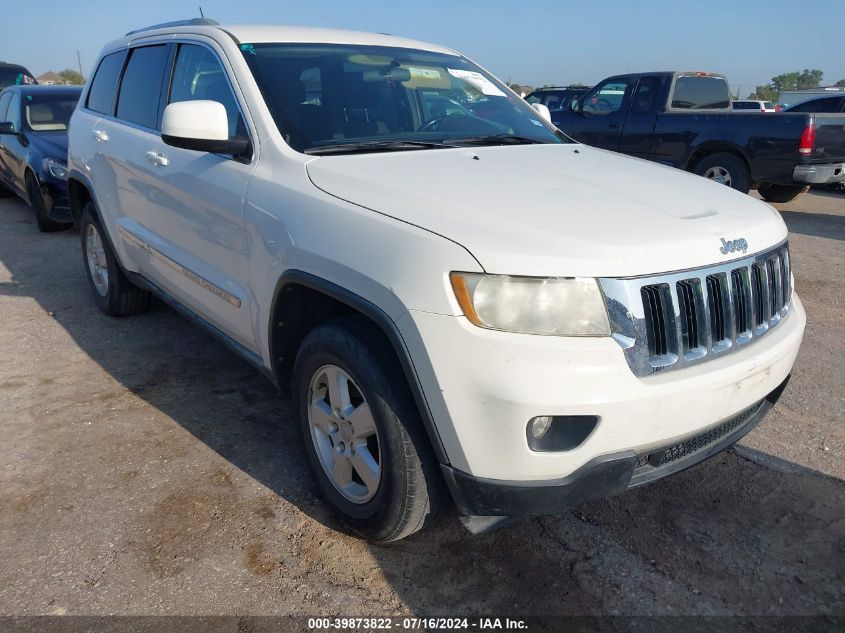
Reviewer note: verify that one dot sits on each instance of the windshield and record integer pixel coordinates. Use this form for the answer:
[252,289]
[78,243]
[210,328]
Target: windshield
[49,113]
[328,95]
[15,77]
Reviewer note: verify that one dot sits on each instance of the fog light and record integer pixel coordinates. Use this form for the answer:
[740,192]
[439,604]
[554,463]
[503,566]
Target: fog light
[547,433]
[540,426]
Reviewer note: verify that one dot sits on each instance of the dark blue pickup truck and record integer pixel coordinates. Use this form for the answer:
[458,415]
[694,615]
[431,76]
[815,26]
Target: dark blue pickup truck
[684,119]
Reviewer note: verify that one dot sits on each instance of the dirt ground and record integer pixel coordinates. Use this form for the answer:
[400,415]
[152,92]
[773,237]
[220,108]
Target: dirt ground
[147,470]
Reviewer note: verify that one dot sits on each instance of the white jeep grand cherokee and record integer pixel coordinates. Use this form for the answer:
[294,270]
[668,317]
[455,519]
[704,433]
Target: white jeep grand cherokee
[460,297]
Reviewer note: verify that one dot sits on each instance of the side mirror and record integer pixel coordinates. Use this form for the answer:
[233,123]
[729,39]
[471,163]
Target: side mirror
[543,111]
[7,127]
[575,105]
[201,126]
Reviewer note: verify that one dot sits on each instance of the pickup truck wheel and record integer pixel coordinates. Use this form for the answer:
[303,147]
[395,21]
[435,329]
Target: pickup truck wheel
[780,193]
[36,201]
[725,169]
[114,293]
[364,440]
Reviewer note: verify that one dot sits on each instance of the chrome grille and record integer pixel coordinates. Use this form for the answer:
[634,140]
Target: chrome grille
[674,320]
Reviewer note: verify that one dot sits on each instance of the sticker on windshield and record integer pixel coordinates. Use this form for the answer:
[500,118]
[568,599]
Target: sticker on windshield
[478,81]
[249,49]
[424,73]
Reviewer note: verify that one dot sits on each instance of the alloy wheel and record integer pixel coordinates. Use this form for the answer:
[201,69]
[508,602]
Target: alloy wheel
[344,434]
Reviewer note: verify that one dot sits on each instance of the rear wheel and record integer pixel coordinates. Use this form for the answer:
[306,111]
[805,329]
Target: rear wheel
[726,169]
[114,293]
[780,193]
[36,201]
[362,432]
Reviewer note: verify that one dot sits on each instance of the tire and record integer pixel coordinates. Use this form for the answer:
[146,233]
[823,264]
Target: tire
[36,201]
[408,489]
[114,293]
[780,193]
[726,168]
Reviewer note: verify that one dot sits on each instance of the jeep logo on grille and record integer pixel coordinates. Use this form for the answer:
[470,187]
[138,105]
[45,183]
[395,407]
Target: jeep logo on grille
[732,246]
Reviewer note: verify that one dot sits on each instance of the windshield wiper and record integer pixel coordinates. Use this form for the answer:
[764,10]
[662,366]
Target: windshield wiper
[374,146]
[496,139]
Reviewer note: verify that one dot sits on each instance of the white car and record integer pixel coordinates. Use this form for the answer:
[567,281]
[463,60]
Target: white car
[749,105]
[468,302]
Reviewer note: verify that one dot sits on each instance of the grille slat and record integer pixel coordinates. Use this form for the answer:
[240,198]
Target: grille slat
[717,306]
[689,297]
[691,316]
[775,288]
[656,317]
[758,294]
[741,302]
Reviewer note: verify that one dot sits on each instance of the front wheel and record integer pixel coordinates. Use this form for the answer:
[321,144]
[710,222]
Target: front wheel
[726,169]
[363,436]
[780,193]
[114,293]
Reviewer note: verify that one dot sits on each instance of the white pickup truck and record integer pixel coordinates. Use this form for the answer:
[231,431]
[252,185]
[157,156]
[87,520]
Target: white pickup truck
[460,297]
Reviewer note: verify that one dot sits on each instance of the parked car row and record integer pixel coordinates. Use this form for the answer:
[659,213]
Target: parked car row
[685,120]
[33,149]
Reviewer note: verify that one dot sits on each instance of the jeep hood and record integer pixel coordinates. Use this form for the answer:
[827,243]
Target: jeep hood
[555,210]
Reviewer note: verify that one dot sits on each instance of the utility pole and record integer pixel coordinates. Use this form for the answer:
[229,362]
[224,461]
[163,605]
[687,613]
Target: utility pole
[202,15]
[79,61]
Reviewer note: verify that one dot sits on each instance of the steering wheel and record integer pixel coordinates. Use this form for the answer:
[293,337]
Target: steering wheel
[462,123]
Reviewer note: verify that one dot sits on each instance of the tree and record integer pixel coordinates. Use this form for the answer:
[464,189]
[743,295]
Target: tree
[797,80]
[840,83]
[72,77]
[765,93]
[810,79]
[786,81]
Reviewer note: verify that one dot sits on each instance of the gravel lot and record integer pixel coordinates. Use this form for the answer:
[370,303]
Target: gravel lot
[147,470]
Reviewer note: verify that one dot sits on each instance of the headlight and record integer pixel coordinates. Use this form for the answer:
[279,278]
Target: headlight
[56,167]
[554,306]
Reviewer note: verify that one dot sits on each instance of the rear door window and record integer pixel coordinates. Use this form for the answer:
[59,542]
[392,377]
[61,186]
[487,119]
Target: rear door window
[104,85]
[700,92]
[646,95]
[140,89]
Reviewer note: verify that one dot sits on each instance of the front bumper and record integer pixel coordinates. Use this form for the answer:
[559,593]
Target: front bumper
[56,202]
[819,174]
[603,476]
[482,387]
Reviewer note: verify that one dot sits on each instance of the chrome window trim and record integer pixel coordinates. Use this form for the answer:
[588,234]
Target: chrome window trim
[628,322]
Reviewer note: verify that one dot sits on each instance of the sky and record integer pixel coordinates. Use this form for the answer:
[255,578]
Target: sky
[537,42]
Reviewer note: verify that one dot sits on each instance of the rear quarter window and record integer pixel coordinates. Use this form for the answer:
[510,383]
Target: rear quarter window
[104,85]
[700,92]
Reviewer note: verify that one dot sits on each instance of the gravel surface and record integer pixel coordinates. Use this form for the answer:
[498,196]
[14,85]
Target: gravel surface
[147,470]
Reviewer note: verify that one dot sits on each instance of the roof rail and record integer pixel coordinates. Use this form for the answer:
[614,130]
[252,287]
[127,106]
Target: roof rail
[164,25]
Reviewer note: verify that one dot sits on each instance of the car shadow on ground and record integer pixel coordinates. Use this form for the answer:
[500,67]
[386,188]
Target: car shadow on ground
[728,536]
[815,224]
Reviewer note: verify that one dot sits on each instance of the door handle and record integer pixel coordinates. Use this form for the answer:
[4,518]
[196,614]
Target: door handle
[157,159]
[100,136]
[615,126]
